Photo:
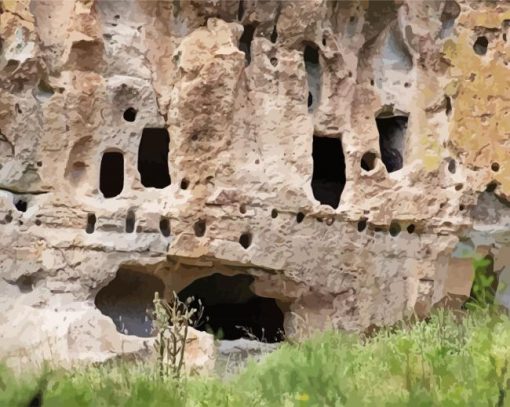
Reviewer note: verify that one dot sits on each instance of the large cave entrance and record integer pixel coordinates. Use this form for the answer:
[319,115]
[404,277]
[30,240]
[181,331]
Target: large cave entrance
[233,311]
[127,300]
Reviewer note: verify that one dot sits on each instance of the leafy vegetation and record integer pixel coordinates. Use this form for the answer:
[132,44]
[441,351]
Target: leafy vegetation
[447,360]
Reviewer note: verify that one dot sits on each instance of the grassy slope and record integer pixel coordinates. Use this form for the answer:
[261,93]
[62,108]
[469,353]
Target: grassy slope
[439,362]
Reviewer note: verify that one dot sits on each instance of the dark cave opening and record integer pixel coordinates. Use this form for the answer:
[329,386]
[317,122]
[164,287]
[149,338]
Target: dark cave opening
[128,301]
[233,311]
[392,131]
[111,177]
[328,179]
[153,158]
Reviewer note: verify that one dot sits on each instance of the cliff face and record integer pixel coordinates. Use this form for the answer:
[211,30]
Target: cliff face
[338,162]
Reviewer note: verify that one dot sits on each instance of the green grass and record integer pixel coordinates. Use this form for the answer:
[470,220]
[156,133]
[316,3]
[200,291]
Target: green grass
[441,362]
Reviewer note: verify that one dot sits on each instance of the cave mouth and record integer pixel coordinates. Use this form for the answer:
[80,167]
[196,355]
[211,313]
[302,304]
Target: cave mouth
[153,158]
[392,130]
[328,179]
[128,301]
[111,175]
[233,311]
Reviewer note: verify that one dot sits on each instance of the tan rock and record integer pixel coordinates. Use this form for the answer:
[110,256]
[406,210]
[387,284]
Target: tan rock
[141,136]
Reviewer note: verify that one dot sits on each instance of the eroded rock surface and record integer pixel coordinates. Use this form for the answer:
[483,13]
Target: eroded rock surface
[337,152]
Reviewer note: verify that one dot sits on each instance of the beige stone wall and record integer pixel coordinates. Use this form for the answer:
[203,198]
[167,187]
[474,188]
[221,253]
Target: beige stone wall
[241,136]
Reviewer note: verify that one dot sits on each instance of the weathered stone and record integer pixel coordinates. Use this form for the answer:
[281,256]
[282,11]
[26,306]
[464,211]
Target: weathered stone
[79,79]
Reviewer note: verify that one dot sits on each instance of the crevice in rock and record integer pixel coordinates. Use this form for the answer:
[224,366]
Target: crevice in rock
[313,74]
[246,40]
[451,11]
[328,179]
[233,311]
[111,177]
[6,147]
[153,158]
[274,34]
[392,131]
[240,11]
[128,301]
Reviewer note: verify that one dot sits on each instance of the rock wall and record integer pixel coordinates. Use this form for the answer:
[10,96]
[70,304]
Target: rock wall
[350,156]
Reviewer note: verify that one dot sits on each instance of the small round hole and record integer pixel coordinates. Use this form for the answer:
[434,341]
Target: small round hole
[274,61]
[458,187]
[495,167]
[184,183]
[411,228]
[491,186]
[368,161]
[300,217]
[199,227]
[372,82]
[310,99]
[21,205]
[274,213]
[452,166]
[407,85]
[242,208]
[480,45]
[130,114]
[245,240]
[39,163]
[394,229]
[194,137]
[461,207]
[362,225]
[8,218]
[38,222]
[25,283]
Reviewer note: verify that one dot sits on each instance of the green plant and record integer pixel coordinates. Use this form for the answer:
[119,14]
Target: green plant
[172,321]
[483,291]
[446,360]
